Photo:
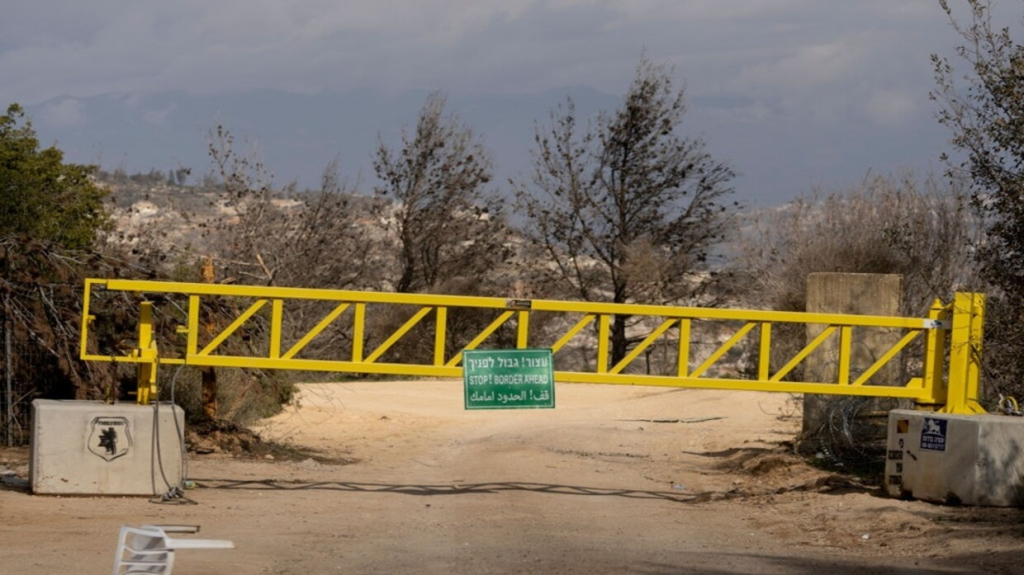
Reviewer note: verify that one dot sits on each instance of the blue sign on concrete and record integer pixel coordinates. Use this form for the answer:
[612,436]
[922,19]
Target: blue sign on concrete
[933,434]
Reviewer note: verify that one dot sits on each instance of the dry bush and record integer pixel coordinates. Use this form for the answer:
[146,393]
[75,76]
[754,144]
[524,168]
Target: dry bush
[887,225]
[41,289]
[918,229]
[254,234]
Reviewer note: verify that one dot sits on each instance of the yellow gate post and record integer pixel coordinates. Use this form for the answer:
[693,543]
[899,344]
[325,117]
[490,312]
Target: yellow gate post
[147,354]
[965,337]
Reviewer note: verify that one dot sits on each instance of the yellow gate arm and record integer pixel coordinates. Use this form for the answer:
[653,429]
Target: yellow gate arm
[950,330]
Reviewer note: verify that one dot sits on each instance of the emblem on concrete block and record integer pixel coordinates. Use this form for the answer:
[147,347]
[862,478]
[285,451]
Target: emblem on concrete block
[110,437]
[933,434]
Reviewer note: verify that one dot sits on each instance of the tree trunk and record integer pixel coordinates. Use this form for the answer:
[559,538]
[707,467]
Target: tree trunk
[619,342]
[209,388]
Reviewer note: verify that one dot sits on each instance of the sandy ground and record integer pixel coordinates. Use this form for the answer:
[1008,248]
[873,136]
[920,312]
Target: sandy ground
[613,480]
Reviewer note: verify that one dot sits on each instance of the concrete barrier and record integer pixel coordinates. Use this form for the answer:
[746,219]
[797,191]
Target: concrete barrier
[82,447]
[976,460]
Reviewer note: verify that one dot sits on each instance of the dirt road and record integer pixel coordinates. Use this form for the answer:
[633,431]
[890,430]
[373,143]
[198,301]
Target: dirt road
[613,480]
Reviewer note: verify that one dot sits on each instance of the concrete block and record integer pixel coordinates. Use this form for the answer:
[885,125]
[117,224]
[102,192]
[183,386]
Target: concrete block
[958,459]
[83,447]
[846,293]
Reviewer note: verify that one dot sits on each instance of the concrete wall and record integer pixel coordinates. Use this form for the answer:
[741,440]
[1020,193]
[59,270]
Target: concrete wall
[841,293]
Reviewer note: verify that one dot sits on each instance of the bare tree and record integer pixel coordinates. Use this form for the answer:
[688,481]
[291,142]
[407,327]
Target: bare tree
[447,224]
[627,209]
[318,239]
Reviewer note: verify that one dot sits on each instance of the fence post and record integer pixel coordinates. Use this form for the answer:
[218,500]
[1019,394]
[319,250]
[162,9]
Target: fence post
[977,337]
[934,358]
[8,387]
[207,374]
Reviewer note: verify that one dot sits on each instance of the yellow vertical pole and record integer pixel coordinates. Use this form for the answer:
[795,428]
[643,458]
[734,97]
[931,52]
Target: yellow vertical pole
[523,330]
[358,325]
[602,343]
[957,401]
[145,325]
[86,316]
[764,362]
[976,338]
[684,348]
[146,374]
[192,347]
[845,352]
[439,335]
[276,318]
[931,374]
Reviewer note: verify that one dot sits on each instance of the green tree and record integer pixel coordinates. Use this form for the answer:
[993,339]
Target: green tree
[40,195]
[984,110]
[628,209]
[987,121]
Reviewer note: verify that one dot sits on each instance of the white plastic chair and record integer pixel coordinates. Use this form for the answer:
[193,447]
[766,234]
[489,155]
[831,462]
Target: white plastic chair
[149,550]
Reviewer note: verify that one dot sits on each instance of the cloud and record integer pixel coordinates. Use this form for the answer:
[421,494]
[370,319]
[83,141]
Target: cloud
[766,47]
[158,117]
[704,11]
[889,107]
[64,113]
[785,67]
[809,66]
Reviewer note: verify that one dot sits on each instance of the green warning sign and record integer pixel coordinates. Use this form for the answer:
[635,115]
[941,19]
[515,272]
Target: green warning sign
[507,379]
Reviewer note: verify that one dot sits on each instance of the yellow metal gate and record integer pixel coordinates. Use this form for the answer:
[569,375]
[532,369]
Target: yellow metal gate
[947,377]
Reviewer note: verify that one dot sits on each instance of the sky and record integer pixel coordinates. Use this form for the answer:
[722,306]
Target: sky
[794,94]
